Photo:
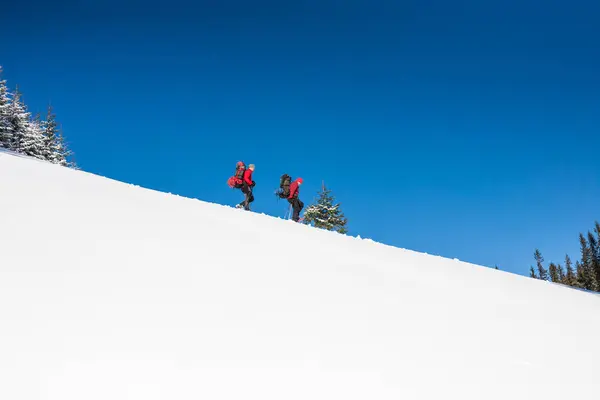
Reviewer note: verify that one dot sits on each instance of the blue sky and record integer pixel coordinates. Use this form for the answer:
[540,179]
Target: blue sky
[466,129]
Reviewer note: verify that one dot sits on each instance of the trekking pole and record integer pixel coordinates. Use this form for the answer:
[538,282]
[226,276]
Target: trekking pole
[288,212]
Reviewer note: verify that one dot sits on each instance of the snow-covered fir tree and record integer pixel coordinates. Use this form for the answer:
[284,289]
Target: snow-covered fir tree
[56,151]
[52,150]
[5,130]
[63,152]
[33,139]
[325,214]
[18,122]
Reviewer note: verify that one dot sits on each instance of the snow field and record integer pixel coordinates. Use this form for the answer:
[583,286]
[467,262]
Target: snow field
[112,291]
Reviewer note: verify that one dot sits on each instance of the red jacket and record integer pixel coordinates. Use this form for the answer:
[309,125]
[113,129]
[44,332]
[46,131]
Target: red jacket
[248,177]
[294,189]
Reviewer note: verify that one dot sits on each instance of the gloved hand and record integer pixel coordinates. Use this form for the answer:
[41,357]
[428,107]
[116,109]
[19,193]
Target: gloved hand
[253,184]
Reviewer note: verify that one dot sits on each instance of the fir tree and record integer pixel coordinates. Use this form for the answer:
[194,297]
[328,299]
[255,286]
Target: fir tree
[553,271]
[585,273]
[32,143]
[561,273]
[532,273]
[64,154]
[594,257]
[18,122]
[580,273]
[570,277]
[50,136]
[56,150]
[6,138]
[542,272]
[325,214]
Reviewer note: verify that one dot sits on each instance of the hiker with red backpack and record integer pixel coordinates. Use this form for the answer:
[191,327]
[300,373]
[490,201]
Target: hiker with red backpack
[290,190]
[247,188]
[243,180]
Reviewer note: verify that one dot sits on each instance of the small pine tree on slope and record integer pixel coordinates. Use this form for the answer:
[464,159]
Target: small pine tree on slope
[63,152]
[55,149]
[325,214]
[50,134]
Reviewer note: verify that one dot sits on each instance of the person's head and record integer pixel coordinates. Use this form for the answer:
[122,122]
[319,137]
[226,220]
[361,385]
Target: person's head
[251,167]
[299,180]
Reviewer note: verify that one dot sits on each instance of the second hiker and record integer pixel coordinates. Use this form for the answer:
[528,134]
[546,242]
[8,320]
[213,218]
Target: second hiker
[297,204]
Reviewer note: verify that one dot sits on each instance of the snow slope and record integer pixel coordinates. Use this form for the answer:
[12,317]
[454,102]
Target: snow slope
[111,291]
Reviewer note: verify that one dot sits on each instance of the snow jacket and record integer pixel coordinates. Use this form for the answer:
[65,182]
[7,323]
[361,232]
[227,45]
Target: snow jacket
[248,177]
[294,190]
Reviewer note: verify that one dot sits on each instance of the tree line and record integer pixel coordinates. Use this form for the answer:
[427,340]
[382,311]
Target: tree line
[586,272]
[28,134]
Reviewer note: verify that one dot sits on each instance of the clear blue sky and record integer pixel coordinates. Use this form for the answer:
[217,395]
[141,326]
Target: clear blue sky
[466,129]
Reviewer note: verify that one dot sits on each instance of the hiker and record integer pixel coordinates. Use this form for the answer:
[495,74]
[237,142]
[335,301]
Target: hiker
[247,187]
[297,204]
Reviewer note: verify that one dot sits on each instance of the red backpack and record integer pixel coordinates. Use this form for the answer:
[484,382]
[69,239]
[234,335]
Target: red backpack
[236,181]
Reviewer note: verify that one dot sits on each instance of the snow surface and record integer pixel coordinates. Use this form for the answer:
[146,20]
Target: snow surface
[111,291]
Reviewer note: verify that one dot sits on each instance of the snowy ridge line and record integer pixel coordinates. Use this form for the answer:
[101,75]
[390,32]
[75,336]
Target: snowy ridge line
[223,206]
[253,214]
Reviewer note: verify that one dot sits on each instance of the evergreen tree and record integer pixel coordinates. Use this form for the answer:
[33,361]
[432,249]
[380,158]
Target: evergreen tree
[570,277]
[64,154]
[580,273]
[325,214]
[532,273]
[561,273]
[51,136]
[57,151]
[594,257]
[18,122]
[585,274]
[33,140]
[553,271]
[6,138]
[542,272]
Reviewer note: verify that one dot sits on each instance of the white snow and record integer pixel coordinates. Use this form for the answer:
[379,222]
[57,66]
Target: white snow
[111,291]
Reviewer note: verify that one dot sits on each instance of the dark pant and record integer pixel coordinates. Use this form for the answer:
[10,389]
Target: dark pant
[297,206]
[247,190]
